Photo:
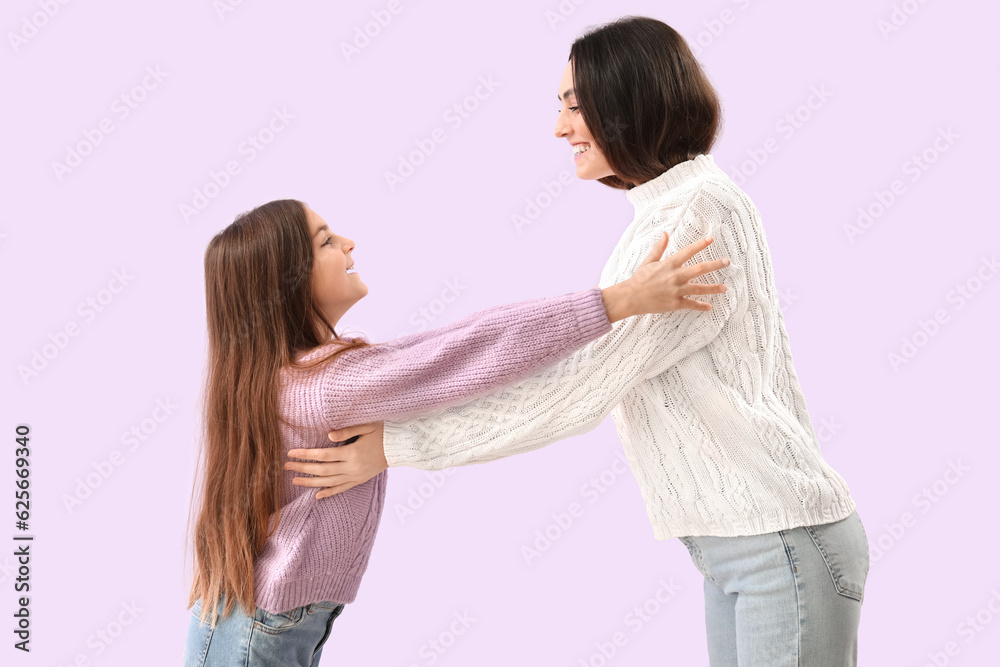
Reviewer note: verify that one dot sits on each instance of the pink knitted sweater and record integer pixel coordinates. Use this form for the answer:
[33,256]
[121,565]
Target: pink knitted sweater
[320,549]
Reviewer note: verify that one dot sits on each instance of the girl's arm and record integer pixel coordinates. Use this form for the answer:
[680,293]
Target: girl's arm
[495,346]
[457,362]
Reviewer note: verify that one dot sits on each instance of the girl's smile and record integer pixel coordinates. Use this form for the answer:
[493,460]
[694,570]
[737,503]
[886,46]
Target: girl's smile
[336,284]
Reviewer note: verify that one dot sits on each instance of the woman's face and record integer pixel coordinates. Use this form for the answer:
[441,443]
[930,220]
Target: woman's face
[590,163]
[334,289]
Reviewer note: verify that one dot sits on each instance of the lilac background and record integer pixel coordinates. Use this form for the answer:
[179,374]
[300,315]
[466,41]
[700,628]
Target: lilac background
[891,431]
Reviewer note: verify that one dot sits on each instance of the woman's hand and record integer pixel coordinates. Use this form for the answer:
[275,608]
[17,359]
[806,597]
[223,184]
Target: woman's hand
[662,283]
[341,468]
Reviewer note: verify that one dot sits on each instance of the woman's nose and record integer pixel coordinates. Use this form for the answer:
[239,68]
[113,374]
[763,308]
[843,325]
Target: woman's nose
[562,126]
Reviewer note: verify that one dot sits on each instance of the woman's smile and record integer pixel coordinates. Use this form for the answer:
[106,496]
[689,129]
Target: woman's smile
[570,125]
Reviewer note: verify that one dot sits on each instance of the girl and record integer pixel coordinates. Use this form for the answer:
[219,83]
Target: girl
[707,404]
[273,567]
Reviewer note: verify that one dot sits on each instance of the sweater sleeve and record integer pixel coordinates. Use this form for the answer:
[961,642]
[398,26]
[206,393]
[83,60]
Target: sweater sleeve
[459,361]
[576,394]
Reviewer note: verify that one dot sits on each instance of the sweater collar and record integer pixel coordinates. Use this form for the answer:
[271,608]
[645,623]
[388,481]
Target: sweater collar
[644,196]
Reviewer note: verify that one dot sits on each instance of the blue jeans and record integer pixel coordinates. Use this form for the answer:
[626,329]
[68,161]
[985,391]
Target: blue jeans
[785,599]
[292,638]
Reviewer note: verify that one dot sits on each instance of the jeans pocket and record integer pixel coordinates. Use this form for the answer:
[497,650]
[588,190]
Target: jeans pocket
[844,547]
[276,623]
[333,608]
[696,556]
[199,637]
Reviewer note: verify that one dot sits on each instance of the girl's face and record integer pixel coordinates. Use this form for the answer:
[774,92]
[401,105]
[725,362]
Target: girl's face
[590,163]
[334,288]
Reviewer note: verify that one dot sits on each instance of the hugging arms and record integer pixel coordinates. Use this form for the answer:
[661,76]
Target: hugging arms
[565,399]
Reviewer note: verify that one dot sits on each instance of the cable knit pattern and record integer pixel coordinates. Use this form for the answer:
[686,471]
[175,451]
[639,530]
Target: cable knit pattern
[707,404]
[320,549]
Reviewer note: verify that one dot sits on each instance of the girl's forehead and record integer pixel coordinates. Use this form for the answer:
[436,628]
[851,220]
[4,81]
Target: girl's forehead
[315,221]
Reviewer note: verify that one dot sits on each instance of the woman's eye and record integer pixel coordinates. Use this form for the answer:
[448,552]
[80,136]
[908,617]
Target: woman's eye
[573,108]
[327,242]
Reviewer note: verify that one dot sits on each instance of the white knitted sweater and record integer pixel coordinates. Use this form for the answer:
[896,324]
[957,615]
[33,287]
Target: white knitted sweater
[707,404]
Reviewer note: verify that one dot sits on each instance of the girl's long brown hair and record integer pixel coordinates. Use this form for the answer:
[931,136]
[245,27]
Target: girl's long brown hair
[261,316]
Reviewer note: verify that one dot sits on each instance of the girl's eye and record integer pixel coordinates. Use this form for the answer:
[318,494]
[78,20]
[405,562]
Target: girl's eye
[573,108]
[328,241]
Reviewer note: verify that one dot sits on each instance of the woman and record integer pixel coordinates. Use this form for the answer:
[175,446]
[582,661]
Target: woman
[273,568]
[707,404]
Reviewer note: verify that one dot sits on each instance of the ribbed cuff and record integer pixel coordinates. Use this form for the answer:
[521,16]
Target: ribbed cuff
[592,316]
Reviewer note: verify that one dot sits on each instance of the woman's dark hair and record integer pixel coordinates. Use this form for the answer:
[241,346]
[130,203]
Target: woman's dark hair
[646,101]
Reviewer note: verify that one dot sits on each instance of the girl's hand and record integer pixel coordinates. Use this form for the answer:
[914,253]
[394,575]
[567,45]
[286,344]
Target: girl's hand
[662,283]
[341,468]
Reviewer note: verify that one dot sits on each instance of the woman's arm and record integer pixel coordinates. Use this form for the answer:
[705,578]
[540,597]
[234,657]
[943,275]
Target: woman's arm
[576,394]
[498,345]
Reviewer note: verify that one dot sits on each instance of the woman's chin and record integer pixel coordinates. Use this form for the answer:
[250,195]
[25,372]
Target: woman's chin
[585,173]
